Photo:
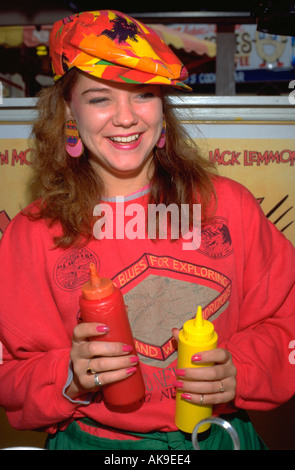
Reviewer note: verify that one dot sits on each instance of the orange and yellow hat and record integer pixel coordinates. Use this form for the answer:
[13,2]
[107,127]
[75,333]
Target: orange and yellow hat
[113,46]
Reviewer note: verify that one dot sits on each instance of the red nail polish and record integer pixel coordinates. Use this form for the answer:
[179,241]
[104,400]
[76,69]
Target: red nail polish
[127,348]
[102,328]
[134,360]
[186,396]
[131,370]
[196,358]
[178,384]
[180,372]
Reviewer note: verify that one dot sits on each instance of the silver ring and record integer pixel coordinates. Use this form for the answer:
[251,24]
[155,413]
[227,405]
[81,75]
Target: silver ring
[96,381]
[222,388]
[202,400]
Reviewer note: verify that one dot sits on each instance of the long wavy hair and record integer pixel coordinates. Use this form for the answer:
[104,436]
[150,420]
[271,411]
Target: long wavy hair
[67,189]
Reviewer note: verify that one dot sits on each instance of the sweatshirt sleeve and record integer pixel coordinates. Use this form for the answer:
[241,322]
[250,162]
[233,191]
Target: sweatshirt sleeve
[261,349]
[34,342]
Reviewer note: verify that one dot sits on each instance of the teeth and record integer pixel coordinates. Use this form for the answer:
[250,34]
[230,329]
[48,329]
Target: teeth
[125,140]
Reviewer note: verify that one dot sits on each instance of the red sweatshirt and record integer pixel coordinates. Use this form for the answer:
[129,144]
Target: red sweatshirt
[242,275]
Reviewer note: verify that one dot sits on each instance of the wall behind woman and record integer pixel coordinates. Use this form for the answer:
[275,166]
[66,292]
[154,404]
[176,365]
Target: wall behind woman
[260,154]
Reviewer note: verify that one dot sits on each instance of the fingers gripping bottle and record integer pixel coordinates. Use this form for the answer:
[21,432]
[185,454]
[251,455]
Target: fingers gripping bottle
[101,301]
[197,335]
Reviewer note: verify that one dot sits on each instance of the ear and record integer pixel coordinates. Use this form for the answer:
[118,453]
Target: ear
[69,113]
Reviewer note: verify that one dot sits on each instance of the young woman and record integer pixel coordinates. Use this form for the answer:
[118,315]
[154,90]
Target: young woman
[106,129]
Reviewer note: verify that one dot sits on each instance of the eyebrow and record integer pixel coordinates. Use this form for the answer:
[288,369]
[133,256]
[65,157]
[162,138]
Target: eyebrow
[107,90]
[94,90]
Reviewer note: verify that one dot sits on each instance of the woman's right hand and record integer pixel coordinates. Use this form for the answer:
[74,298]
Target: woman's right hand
[111,360]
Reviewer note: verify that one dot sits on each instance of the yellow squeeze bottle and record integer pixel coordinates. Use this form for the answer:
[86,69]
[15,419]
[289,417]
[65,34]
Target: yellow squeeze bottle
[197,335]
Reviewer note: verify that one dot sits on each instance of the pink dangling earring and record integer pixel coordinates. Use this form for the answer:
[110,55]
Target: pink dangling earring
[162,139]
[74,145]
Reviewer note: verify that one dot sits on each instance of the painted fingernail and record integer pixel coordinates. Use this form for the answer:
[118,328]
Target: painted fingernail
[178,384]
[102,328]
[180,372]
[134,359]
[186,396]
[131,370]
[127,348]
[196,358]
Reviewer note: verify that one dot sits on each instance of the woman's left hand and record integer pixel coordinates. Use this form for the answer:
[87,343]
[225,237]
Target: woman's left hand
[210,385]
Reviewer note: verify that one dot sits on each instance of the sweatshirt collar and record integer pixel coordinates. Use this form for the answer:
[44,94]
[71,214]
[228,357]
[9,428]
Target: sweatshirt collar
[129,197]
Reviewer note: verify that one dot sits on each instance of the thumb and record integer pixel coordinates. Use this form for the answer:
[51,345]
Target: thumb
[175,333]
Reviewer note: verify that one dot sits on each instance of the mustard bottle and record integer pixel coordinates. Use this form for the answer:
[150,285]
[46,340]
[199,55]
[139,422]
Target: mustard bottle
[197,335]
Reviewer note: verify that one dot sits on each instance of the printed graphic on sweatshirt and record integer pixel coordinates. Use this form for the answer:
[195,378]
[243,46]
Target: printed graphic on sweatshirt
[72,269]
[161,293]
[216,240]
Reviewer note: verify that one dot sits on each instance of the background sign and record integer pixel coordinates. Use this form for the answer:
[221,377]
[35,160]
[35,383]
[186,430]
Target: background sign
[259,56]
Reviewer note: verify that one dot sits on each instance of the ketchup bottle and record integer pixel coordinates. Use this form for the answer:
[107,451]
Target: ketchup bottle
[101,301]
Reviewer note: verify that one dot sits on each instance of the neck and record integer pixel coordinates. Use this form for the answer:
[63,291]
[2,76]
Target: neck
[124,184]
[125,187]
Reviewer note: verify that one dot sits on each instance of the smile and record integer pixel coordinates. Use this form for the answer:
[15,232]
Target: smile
[125,140]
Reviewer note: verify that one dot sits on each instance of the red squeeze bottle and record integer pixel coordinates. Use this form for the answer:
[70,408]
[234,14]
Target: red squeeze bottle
[101,301]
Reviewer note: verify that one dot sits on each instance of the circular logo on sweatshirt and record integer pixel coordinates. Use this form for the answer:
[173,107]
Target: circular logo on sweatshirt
[72,268]
[216,240]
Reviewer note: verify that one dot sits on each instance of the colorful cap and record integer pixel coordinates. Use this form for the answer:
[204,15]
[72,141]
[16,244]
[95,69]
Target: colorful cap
[113,46]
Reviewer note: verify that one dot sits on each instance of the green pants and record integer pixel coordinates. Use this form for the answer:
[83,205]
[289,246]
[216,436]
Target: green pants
[73,438]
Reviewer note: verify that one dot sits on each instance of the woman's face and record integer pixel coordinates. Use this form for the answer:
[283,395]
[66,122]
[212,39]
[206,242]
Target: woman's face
[119,124]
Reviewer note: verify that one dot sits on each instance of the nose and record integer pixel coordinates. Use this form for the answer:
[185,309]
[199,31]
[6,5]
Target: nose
[125,115]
